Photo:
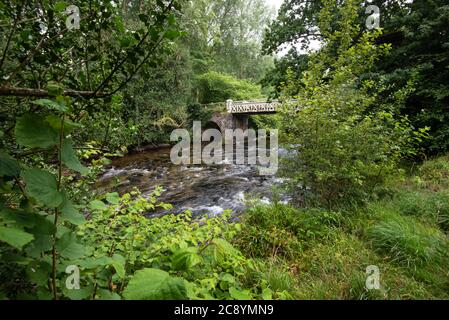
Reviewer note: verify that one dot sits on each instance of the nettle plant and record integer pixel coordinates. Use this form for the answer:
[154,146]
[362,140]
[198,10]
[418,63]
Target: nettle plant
[37,216]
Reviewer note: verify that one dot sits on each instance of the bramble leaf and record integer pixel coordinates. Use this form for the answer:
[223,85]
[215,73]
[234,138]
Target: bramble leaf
[154,284]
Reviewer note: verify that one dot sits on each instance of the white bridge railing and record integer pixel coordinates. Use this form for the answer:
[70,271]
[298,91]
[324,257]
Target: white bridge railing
[251,106]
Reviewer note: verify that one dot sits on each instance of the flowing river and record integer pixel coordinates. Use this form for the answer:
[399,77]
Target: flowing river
[203,189]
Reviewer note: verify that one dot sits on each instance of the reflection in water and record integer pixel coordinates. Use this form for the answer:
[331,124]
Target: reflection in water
[201,188]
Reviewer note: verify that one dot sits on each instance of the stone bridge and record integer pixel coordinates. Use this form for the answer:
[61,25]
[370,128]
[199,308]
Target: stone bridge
[237,113]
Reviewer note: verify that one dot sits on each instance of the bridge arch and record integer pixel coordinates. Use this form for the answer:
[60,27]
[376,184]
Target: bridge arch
[221,121]
[211,125]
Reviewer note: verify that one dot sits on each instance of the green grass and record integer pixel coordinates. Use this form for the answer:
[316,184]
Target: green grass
[282,230]
[430,207]
[434,174]
[406,241]
[313,253]
[337,270]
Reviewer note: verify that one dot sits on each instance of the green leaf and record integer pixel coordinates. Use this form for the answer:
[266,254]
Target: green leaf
[154,284]
[118,262]
[42,186]
[69,212]
[10,258]
[39,272]
[15,237]
[55,122]
[113,198]
[267,294]
[60,6]
[78,294]
[41,243]
[70,159]
[18,218]
[239,295]
[50,104]
[68,246]
[43,231]
[172,34]
[104,294]
[185,259]
[9,167]
[33,132]
[97,205]
[43,225]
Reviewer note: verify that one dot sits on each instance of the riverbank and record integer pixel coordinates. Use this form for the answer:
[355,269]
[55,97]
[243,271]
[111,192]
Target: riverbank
[320,254]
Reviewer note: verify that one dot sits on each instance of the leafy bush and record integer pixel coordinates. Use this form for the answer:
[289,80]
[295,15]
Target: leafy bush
[124,123]
[177,254]
[38,216]
[434,174]
[341,150]
[218,87]
[271,121]
[343,145]
[196,112]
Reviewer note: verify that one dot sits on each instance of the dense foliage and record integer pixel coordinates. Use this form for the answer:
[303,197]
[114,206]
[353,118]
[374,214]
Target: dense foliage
[356,112]
[417,32]
[217,87]
[344,147]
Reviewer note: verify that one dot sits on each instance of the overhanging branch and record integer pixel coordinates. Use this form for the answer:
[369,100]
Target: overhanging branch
[30,92]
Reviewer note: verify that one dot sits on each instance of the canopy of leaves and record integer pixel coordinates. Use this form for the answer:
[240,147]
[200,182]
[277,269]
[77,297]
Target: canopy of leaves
[217,87]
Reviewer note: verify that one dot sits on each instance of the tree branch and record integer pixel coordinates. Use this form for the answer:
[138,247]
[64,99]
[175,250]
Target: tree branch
[16,20]
[118,65]
[30,92]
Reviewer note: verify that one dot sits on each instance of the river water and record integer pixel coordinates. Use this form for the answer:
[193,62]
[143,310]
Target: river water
[203,189]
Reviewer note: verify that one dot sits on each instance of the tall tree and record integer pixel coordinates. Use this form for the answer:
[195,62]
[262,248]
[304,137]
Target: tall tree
[417,64]
[226,36]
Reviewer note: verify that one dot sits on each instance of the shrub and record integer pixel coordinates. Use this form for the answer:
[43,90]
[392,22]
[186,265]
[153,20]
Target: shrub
[342,149]
[184,257]
[434,173]
[271,121]
[218,87]
[197,112]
